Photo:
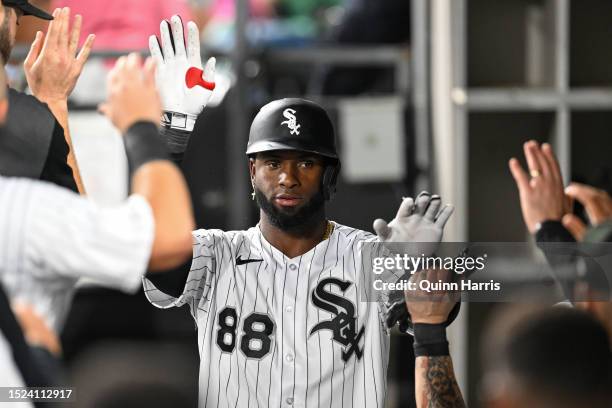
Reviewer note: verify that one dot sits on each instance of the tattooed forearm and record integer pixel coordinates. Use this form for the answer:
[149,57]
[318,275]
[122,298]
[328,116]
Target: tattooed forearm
[436,386]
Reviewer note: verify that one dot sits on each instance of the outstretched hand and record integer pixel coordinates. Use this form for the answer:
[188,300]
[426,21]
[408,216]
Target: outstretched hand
[597,204]
[185,86]
[541,191]
[416,221]
[53,66]
[132,96]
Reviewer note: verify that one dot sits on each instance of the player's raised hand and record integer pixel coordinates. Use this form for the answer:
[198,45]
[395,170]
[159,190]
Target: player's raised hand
[417,221]
[597,204]
[53,66]
[185,86]
[132,95]
[541,191]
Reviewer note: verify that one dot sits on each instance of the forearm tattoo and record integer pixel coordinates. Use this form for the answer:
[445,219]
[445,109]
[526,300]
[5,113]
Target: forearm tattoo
[441,387]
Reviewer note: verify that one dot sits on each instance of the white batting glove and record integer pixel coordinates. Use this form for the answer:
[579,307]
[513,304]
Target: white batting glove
[417,221]
[184,86]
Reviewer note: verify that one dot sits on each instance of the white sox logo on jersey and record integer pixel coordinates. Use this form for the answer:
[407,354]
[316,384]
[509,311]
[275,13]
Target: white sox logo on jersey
[343,325]
[291,121]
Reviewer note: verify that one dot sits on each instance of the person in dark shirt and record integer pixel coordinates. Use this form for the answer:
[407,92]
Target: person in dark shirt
[36,142]
[547,213]
[534,356]
[365,23]
[34,148]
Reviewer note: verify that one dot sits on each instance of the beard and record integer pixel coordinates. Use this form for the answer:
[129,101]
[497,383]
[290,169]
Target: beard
[6,44]
[290,219]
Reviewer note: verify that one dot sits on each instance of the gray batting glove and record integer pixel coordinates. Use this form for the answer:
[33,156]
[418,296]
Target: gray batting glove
[417,221]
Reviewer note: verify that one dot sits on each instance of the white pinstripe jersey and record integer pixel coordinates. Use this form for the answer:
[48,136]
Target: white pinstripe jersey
[280,332]
[51,237]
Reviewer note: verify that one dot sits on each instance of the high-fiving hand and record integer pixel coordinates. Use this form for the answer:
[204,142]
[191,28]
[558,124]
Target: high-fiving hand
[418,221]
[541,191]
[52,66]
[184,86]
[132,96]
[597,204]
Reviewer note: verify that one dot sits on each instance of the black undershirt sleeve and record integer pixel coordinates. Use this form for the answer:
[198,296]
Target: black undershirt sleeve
[171,282]
[554,232]
[176,143]
[56,169]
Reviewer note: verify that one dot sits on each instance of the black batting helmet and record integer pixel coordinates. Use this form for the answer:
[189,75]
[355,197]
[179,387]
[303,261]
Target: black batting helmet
[297,124]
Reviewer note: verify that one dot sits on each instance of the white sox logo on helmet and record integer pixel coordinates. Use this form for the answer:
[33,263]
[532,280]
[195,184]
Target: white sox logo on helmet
[291,121]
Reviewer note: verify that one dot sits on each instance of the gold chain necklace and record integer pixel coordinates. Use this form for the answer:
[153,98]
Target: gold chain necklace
[328,230]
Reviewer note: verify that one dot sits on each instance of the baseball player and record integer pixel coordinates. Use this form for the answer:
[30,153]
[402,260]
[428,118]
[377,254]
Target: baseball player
[278,307]
[50,237]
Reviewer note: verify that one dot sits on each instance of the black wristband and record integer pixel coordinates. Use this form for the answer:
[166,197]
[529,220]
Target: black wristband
[176,140]
[553,231]
[142,145]
[430,340]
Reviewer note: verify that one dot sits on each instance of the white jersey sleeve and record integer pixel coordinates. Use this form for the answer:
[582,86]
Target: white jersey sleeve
[198,284]
[51,233]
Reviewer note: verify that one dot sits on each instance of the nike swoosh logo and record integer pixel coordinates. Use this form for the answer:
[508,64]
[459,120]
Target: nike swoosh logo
[240,261]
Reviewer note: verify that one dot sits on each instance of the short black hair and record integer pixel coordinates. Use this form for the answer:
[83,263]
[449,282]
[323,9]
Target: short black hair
[558,351]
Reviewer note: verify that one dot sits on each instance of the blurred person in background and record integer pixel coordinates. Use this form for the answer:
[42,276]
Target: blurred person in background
[26,33]
[28,347]
[54,238]
[124,25]
[364,23]
[546,357]
[548,216]
[30,25]
[119,25]
[37,141]
[217,19]
[271,22]
[309,18]
[534,356]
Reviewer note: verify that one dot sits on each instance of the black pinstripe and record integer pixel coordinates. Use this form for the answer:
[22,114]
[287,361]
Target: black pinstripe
[246,275]
[319,333]
[282,352]
[276,341]
[294,311]
[343,278]
[307,334]
[355,368]
[214,313]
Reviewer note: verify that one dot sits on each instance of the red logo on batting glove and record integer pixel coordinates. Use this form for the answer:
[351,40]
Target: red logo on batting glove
[195,76]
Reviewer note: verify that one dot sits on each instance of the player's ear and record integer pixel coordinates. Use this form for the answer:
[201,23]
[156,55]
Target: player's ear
[252,169]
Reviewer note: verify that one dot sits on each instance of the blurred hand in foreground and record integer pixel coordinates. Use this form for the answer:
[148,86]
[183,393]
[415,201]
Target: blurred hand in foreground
[132,95]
